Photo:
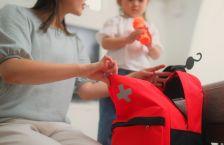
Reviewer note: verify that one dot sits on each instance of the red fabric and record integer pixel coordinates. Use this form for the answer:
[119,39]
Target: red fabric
[146,100]
[194,100]
[139,135]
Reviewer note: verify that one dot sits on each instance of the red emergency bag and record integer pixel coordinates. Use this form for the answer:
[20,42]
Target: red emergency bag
[146,115]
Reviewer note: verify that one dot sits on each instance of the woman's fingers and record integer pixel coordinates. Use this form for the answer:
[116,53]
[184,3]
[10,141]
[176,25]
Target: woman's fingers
[111,65]
[156,68]
[142,75]
[115,68]
[161,80]
[163,74]
[155,74]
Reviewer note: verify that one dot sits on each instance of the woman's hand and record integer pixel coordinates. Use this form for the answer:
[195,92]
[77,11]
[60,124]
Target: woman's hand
[104,67]
[151,75]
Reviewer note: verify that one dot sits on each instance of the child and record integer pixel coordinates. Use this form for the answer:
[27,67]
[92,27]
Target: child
[120,39]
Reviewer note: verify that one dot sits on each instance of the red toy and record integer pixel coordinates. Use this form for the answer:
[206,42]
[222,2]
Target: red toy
[145,37]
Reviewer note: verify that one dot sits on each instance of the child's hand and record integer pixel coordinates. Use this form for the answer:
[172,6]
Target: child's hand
[140,24]
[134,36]
[104,67]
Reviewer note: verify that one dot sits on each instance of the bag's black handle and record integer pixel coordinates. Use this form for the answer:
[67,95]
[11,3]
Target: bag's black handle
[190,61]
[189,64]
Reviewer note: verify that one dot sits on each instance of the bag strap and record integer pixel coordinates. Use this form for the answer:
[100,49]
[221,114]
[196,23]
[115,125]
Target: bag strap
[193,93]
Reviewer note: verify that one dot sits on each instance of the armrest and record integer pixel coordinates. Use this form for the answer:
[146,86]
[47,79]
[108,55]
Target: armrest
[214,111]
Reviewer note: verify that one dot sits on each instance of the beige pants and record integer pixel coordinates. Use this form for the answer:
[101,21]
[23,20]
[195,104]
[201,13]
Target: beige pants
[26,132]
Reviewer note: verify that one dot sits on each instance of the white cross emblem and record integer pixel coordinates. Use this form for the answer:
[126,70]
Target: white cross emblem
[124,93]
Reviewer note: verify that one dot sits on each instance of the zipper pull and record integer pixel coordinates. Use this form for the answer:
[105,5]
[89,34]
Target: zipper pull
[147,126]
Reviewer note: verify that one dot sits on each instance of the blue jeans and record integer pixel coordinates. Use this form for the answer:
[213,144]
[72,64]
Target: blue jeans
[106,116]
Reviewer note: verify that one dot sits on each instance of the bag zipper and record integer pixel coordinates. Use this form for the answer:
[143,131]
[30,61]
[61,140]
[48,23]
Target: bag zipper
[147,121]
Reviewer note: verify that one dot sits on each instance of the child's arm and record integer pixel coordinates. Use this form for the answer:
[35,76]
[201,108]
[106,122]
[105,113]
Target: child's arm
[154,52]
[155,48]
[146,37]
[113,43]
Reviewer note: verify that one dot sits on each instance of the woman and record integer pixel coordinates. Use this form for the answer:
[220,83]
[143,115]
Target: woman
[40,61]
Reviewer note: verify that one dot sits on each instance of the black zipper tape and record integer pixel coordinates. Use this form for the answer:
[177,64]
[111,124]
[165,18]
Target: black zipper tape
[140,121]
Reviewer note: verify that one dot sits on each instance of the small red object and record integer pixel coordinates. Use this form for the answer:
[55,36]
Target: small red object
[145,37]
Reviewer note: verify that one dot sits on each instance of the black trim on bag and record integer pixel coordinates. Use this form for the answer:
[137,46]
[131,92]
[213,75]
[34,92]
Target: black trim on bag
[140,121]
[174,89]
[181,137]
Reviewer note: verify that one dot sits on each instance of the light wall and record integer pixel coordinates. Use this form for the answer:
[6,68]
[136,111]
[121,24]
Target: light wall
[95,19]
[175,20]
[208,39]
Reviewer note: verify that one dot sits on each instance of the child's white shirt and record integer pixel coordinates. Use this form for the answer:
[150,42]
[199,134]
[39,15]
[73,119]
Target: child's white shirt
[133,56]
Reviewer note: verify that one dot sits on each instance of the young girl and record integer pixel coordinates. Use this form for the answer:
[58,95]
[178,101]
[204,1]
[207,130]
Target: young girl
[120,39]
[41,64]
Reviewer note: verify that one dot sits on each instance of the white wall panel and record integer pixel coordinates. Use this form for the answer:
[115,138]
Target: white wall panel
[208,39]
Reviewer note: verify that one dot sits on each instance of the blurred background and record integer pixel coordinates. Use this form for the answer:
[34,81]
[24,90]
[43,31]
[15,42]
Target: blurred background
[186,27]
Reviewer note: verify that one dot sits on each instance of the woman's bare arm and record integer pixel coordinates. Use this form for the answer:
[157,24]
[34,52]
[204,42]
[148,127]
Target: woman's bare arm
[24,71]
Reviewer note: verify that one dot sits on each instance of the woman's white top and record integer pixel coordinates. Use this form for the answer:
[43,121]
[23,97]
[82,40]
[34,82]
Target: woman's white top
[133,56]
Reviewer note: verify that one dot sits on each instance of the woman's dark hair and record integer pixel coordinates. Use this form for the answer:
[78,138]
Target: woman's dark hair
[52,7]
